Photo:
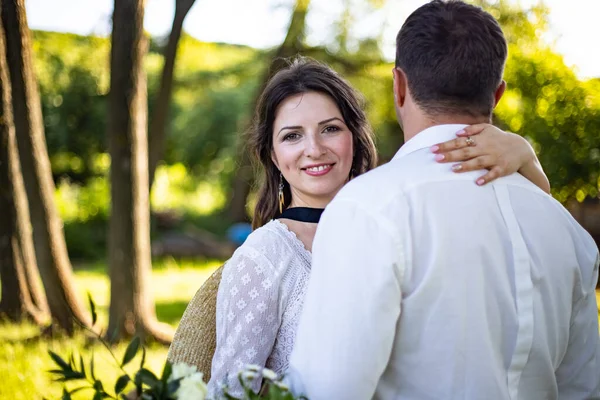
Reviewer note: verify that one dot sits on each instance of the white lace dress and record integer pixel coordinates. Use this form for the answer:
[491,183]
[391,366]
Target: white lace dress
[258,304]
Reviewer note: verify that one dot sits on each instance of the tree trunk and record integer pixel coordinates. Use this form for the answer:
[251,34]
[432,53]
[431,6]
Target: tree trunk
[50,246]
[131,307]
[292,45]
[16,303]
[158,126]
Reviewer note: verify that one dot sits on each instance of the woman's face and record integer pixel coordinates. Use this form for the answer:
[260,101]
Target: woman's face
[312,147]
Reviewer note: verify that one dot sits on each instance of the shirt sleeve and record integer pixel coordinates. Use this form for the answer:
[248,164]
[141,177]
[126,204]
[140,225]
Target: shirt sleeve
[348,325]
[248,319]
[578,375]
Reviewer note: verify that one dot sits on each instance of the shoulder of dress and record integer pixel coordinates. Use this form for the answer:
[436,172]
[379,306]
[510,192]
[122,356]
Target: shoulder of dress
[267,246]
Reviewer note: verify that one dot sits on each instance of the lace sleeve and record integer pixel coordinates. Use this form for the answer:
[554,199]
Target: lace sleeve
[248,318]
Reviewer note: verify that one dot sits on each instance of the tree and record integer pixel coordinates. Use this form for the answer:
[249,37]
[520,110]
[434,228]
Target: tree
[19,301]
[161,108]
[131,307]
[50,248]
[292,45]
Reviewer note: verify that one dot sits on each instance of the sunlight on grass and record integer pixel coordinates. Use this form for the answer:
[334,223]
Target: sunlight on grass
[23,365]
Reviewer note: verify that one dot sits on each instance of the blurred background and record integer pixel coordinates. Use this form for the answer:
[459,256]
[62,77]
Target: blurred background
[198,67]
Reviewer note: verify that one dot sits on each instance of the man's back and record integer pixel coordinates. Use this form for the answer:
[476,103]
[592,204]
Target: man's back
[494,289]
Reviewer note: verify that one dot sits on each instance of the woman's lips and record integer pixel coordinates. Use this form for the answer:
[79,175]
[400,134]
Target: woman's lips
[318,170]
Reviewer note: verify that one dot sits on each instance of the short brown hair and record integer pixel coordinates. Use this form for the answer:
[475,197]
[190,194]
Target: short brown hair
[453,55]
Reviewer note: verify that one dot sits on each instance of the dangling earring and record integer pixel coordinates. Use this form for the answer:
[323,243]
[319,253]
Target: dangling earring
[280,193]
[351,174]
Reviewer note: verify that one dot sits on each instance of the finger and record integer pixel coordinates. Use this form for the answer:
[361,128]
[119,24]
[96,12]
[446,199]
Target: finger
[472,130]
[463,154]
[474,164]
[450,145]
[492,175]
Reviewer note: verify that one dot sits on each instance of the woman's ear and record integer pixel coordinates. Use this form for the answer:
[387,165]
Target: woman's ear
[274,159]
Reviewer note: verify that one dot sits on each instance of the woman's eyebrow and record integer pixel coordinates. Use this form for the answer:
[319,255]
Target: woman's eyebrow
[320,123]
[289,127]
[329,120]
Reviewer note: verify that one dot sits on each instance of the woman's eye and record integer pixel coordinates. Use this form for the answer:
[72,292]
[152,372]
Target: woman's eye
[331,128]
[291,137]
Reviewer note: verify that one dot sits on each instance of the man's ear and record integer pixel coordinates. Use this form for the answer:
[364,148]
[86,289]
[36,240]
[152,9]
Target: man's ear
[499,92]
[400,85]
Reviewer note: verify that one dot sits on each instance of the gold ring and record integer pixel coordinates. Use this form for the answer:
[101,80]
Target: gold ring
[470,141]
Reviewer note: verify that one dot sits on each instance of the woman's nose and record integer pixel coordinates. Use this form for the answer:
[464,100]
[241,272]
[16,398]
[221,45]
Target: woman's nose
[314,148]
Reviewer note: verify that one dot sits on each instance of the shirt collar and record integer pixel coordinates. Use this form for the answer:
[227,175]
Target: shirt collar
[429,137]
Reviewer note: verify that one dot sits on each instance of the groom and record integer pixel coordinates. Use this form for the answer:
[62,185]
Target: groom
[426,286]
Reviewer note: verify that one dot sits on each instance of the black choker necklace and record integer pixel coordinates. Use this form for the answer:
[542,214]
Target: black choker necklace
[303,214]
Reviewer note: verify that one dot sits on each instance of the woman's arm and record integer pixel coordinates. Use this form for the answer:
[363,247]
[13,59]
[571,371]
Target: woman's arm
[248,319]
[502,153]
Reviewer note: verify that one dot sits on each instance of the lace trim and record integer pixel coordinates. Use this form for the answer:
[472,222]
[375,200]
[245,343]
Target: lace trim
[298,245]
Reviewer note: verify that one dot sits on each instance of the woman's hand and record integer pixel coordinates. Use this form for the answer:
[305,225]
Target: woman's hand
[483,146]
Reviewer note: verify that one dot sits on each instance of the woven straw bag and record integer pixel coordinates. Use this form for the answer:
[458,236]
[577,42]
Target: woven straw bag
[196,336]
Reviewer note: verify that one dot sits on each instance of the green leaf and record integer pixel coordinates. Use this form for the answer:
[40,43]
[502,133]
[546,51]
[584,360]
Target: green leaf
[55,371]
[98,386]
[78,389]
[81,365]
[131,351]
[147,377]
[173,386]
[71,376]
[167,370]
[98,396]
[121,383]
[92,368]
[66,395]
[59,361]
[143,357]
[92,309]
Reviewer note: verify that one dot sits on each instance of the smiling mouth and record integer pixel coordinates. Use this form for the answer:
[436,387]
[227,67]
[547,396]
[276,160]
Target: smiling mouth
[319,168]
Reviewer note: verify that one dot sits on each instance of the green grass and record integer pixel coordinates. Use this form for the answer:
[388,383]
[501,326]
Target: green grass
[23,364]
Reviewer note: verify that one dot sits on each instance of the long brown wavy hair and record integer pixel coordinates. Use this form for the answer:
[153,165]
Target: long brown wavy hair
[303,75]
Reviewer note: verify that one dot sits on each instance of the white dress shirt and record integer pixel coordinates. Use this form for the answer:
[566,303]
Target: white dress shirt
[426,286]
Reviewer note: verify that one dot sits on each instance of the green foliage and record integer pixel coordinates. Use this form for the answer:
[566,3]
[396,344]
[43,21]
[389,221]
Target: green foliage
[72,73]
[546,102]
[215,88]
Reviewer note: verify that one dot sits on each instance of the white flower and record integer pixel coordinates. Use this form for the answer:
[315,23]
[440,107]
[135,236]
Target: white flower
[281,385]
[248,375]
[269,374]
[182,370]
[191,385]
[192,388]
[253,367]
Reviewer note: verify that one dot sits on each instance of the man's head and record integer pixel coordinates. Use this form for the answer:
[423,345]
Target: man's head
[450,59]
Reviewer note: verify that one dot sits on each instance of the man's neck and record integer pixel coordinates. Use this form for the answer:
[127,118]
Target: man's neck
[416,125]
